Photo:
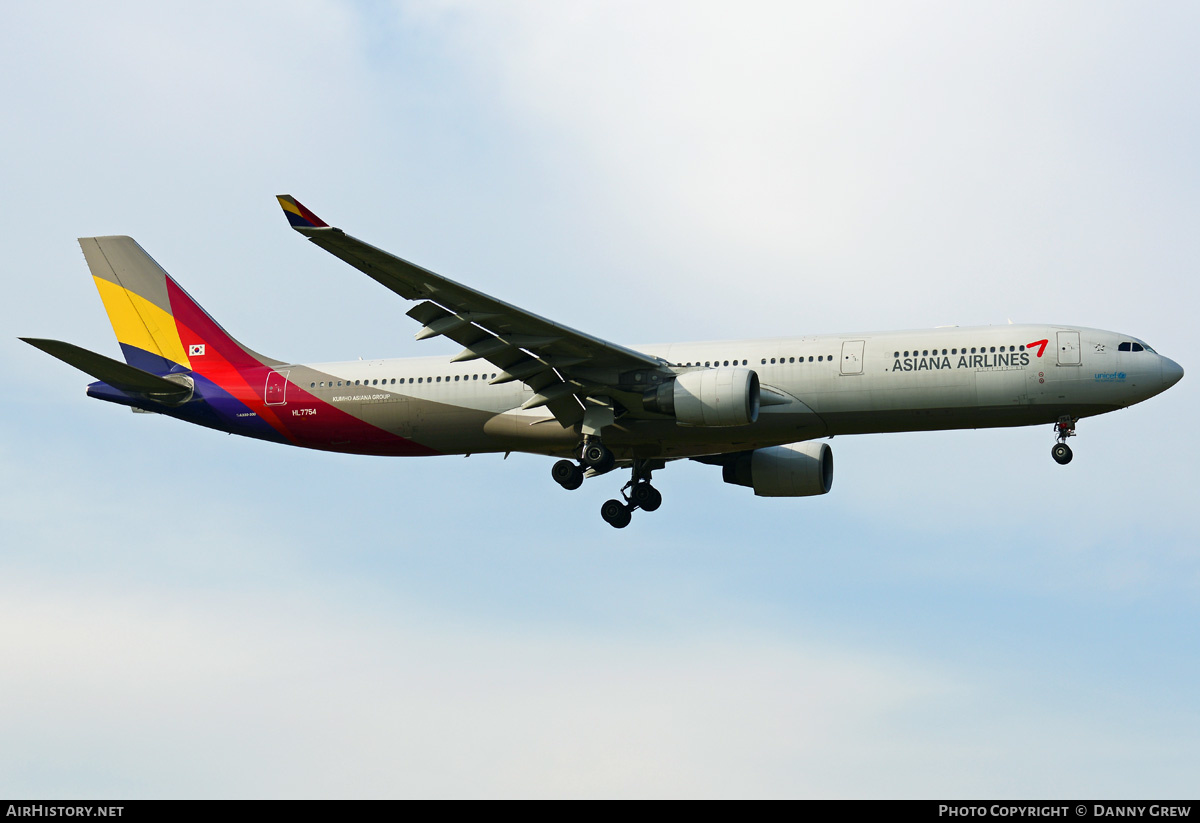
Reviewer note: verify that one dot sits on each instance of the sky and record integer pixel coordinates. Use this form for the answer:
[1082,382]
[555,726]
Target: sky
[187,614]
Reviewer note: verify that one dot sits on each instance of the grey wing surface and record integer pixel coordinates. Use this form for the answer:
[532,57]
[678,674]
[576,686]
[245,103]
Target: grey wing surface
[561,365]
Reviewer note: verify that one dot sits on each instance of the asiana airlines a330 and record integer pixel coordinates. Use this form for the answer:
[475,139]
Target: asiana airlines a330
[760,410]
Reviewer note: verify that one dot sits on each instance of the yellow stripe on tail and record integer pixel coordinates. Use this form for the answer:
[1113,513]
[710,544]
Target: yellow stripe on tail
[138,322]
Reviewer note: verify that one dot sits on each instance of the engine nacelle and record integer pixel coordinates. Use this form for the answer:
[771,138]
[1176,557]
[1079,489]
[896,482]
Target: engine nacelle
[711,397]
[794,470]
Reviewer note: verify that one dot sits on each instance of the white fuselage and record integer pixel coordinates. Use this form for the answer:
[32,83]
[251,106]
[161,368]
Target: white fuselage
[814,386]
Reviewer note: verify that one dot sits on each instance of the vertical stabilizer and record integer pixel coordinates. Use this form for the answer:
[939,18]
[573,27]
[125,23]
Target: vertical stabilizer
[160,328]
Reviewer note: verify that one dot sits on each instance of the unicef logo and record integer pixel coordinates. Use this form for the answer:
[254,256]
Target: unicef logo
[1120,375]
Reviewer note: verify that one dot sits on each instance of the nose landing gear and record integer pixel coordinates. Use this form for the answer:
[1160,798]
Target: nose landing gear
[1064,428]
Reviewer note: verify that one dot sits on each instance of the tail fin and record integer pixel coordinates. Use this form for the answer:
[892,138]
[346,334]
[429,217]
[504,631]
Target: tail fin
[160,328]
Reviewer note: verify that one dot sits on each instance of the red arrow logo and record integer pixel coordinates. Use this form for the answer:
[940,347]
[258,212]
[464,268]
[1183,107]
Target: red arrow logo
[1041,344]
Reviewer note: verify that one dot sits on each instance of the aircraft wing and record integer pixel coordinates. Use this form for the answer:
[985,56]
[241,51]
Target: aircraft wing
[561,365]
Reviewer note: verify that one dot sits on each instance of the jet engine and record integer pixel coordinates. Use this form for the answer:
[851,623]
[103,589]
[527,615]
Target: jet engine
[794,470]
[710,397]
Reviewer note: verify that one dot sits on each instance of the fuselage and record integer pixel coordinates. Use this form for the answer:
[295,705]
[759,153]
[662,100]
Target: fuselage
[813,386]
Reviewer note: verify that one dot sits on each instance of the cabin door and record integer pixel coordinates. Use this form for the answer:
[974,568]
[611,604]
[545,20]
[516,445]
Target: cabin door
[1068,348]
[852,356]
[275,393]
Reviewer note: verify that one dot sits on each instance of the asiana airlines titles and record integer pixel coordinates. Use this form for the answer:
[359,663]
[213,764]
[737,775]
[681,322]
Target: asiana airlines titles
[965,361]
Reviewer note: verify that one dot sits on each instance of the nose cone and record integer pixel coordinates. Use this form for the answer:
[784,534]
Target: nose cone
[1172,372]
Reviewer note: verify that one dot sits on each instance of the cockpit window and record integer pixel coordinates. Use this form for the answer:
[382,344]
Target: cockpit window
[1131,346]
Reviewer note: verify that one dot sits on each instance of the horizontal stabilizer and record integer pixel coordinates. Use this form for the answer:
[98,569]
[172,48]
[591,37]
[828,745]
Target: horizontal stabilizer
[119,375]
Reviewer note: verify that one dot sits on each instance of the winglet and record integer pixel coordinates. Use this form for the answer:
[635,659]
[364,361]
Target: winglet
[298,216]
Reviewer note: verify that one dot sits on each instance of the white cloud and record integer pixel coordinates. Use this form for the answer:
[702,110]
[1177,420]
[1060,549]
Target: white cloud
[304,695]
[135,692]
[960,164]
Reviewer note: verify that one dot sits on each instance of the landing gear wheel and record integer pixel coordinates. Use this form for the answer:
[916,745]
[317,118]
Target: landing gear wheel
[567,474]
[597,456]
[1061,453]
[645,497]
[615,514]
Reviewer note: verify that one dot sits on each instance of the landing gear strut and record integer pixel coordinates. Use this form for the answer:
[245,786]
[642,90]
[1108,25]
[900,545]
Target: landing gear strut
[641,495]
[1064,428]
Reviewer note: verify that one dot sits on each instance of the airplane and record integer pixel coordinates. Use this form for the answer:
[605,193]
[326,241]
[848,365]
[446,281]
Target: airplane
[759,409]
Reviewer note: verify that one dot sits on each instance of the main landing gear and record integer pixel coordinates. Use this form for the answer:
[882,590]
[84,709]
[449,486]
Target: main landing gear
[636,494]
[641,495]
[593,455]
[1064,428]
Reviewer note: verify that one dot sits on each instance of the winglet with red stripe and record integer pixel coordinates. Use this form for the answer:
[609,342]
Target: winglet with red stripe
[298,215]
